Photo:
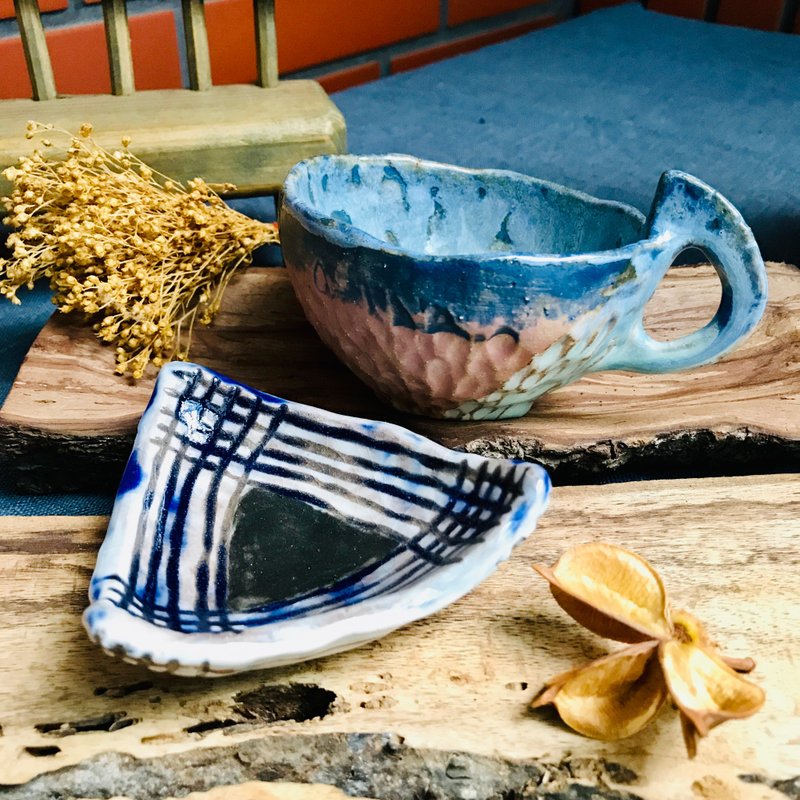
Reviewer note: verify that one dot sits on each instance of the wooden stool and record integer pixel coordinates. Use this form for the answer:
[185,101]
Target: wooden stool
[248,135]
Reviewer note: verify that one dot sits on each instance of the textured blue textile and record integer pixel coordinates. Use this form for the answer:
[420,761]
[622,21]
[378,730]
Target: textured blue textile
[603,103]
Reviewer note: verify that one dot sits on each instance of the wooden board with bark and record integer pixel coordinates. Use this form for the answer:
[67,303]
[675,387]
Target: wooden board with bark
[437,710]
[68,421]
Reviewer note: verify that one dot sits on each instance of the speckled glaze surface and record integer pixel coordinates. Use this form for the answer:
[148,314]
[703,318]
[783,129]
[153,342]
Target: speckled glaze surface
[467,294]
[251,532]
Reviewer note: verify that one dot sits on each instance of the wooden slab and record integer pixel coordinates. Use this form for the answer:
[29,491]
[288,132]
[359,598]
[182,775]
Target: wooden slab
[439,706]
[68,421]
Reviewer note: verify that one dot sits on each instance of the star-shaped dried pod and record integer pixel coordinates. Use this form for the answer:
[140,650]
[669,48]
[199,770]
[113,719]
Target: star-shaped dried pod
[618,595]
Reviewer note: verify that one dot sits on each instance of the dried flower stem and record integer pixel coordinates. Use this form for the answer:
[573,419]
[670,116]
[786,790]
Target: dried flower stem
[140,254]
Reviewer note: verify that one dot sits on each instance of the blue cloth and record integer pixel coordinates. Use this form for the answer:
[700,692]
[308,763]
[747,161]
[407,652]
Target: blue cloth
[603,103]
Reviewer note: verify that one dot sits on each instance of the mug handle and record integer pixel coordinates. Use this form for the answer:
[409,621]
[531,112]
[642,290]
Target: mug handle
[688,213]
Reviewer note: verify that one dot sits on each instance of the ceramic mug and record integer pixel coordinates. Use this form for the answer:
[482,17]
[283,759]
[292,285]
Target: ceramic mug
[467,293]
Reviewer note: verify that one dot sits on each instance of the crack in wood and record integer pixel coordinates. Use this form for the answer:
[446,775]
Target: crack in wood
[42,751]
[698,453]
[272,702]
[380,766]
[113,721]
[790,786]
[36,459]
[206,726]
[123,691]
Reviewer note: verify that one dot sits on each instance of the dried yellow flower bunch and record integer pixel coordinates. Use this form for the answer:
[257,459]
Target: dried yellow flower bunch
[143,256]
[618,595]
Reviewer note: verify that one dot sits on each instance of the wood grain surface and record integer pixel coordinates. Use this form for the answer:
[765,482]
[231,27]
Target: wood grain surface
[447,696]
[68,421]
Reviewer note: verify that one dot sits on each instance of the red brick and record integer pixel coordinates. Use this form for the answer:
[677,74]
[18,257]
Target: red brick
[693,9]
[7,7]
[764,14]
[459,11]
[14,80]
[439,52]
[154,45]
[353,76]
[585,6]
[311,31]
[231,41]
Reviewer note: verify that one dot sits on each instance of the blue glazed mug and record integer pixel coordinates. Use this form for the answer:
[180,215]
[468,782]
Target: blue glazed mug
[467,294]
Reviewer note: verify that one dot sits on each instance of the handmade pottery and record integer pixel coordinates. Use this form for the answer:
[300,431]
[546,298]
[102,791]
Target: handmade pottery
[249,531]
[469,293]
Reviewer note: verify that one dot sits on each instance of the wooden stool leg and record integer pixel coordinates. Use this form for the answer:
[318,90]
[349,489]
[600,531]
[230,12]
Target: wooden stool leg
[35,46]
[118,42]
[197,56]
[266,43]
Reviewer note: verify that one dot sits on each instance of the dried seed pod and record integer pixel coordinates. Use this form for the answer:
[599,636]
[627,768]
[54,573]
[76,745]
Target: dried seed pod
[706,690]
[612,697]
[617,594]
[612,592]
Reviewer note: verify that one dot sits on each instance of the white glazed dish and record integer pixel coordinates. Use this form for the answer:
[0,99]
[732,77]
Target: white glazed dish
[252,532]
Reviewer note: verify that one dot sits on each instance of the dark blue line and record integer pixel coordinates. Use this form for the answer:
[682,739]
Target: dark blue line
[133,575]
[156,551]
[355,437]
[157,547]
[221,584]
[201,583]
[342,472]
[422,479]
[225,460]
[179,520]
[336,488]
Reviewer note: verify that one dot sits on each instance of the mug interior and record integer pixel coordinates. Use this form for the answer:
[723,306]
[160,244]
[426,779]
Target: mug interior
[438,210]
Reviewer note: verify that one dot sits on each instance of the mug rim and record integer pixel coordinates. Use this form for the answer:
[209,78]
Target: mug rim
[347,235]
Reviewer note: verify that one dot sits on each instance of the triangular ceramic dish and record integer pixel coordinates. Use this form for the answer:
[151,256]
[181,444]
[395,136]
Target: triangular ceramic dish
[251,532]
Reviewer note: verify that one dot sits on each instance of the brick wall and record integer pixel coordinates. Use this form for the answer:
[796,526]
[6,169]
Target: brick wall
[768,15]
[340,42]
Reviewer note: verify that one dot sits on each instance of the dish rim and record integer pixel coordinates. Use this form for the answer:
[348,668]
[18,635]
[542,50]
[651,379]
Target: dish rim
[347,235]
